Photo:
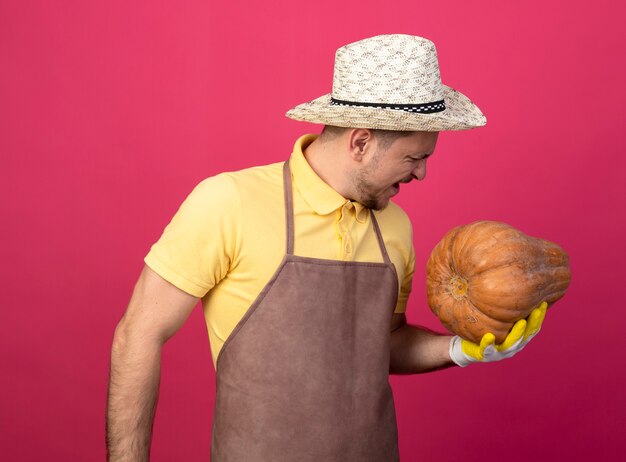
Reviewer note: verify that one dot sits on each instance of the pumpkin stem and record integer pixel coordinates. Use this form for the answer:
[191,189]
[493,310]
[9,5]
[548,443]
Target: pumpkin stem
[457,287]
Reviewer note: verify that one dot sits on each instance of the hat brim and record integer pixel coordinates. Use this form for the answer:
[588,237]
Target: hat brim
[460,114]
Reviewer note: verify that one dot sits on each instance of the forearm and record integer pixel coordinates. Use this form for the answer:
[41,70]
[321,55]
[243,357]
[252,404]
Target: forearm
[416,349]
[133,393]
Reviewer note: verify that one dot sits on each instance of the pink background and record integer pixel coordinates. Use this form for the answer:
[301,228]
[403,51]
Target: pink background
[112,111]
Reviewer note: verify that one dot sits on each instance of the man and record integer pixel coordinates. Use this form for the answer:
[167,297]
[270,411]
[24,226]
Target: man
[304,268]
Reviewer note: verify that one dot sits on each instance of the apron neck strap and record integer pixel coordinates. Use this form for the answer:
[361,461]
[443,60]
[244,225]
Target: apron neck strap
[379,236]
[289,217]
[288,206]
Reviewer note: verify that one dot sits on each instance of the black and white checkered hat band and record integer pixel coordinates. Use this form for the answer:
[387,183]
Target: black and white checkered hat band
[425,108]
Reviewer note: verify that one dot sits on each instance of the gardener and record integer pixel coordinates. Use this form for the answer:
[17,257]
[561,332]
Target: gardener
[304,268]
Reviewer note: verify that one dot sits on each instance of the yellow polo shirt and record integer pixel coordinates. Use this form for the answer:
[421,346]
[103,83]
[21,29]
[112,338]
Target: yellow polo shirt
[228,237]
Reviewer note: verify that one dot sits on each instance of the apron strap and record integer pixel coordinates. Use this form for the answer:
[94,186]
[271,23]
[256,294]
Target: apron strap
[379,236]
[288,206]
[289,217]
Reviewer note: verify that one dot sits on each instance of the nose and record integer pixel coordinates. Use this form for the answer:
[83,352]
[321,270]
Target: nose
[419,172]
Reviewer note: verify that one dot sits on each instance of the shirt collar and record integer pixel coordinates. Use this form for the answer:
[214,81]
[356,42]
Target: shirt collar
[318,194]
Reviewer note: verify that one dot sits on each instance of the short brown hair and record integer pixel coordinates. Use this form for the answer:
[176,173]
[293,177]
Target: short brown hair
[385,137]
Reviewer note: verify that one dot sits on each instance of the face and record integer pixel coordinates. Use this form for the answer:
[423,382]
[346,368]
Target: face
[380,176]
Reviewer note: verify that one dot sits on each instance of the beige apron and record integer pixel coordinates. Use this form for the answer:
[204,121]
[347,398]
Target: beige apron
[304,375]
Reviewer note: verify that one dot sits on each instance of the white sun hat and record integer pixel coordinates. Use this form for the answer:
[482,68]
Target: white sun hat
[390,82]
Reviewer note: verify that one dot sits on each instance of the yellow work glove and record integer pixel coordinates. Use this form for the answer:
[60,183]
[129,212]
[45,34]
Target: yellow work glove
[464,352]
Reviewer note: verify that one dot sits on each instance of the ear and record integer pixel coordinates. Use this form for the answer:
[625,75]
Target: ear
[361,141]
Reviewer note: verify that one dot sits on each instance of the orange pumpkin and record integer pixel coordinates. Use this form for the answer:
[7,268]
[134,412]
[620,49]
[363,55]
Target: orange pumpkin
[485,276]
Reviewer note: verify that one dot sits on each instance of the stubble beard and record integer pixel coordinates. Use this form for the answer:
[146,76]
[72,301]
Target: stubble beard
[364,187]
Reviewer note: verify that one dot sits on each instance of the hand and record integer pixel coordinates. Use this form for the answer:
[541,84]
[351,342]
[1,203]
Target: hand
[464,352]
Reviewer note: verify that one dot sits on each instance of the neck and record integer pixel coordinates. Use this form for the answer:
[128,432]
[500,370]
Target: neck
[327,160]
